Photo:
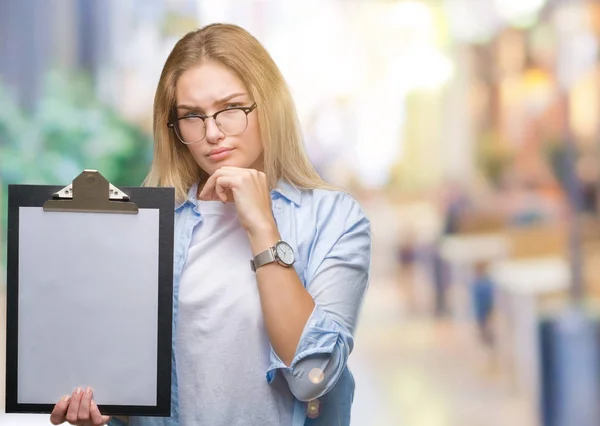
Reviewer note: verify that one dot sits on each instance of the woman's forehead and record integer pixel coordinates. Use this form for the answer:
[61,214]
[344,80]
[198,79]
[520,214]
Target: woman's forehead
[208,83]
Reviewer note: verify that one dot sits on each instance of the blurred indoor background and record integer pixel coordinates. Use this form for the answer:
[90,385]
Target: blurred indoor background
[468,129]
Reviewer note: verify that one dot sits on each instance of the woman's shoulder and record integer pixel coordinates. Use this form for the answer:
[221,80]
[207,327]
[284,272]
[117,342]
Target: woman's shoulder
[338,199]
[332,205]
[321,206]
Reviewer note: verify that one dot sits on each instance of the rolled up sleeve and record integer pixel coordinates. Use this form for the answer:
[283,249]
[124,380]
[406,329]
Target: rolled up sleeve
[337,277]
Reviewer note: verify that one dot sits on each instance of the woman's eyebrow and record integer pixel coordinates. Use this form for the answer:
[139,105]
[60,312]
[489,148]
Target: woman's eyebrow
[187,107]
[217,102]
[229,97]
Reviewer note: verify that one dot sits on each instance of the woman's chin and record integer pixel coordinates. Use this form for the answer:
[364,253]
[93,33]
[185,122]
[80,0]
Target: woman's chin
[214,166]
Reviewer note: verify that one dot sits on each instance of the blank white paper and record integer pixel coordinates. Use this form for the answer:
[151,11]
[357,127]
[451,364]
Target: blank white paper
[88,306]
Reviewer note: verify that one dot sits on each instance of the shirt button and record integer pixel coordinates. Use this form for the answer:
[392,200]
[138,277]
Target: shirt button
[316,376]
[312,409]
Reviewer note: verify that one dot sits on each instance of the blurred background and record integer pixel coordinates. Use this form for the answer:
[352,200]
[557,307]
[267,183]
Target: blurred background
[468,129]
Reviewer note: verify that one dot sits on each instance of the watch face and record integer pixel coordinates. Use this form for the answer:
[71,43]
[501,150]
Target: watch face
[285,253]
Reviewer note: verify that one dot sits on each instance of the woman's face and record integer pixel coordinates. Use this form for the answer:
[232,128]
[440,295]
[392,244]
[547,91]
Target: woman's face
[203,91]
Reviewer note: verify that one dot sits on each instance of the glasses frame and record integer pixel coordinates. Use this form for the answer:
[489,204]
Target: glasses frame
[174,124]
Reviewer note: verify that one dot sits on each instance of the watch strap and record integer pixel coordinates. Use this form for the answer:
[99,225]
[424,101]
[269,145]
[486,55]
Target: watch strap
[262,258]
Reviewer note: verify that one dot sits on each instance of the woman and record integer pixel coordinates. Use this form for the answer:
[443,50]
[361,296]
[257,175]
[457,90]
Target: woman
[271,264]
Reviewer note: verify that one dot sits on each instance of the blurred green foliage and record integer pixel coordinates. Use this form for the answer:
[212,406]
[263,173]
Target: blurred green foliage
[493,157]
[69,130]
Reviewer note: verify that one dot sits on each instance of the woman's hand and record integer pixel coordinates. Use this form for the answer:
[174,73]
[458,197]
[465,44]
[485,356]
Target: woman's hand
[78,409]
[248,188]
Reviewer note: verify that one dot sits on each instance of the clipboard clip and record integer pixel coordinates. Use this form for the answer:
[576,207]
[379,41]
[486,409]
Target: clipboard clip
[90,192]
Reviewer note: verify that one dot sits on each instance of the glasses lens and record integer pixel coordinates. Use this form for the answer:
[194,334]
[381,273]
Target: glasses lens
[191,129]
[232,122]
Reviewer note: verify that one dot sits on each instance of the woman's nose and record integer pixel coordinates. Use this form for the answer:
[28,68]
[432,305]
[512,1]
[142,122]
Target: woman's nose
[213,132]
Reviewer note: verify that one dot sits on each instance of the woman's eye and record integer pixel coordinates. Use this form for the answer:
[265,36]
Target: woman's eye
[191,117]
[233,106]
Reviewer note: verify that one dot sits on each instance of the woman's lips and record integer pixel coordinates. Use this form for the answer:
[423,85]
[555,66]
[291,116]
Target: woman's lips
[220,154]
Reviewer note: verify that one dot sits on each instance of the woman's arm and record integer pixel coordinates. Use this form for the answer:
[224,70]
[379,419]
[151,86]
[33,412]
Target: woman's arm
[316,321]
[286,304]
[336,276]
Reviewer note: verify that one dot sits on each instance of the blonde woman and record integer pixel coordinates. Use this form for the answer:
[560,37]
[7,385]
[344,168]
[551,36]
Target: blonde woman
[271,264]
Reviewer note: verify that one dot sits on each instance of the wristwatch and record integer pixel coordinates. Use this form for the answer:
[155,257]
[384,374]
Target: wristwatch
[281,253]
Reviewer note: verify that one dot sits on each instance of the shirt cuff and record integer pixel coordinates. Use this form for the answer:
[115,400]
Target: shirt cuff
[319,336]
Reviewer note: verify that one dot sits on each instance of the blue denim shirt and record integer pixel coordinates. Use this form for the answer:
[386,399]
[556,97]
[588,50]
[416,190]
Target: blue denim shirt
[331,237]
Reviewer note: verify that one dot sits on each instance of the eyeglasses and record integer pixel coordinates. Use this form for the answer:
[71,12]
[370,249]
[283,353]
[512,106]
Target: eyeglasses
[191,128]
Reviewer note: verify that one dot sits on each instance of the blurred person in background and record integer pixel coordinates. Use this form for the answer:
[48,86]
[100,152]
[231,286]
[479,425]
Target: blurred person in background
[455,204]
[271,263]
[529,199]
[529,205]
[588,176]
[482,296]
[407,258]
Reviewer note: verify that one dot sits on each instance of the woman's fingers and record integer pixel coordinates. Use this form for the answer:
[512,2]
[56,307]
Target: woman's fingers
[96,417]
[73,411]
[59,413]
[220,191]
[78,409]
[84,406]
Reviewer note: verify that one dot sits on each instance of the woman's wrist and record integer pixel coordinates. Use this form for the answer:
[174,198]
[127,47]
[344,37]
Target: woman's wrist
[262,237]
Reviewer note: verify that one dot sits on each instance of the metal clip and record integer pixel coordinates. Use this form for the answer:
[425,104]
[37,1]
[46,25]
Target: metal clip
[88,193]
[114,193]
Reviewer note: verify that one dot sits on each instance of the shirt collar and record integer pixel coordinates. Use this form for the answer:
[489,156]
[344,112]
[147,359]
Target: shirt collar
[284,188]
[191,197]
[289,192]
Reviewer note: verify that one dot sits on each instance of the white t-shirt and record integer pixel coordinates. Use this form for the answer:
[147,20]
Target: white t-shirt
[222,347]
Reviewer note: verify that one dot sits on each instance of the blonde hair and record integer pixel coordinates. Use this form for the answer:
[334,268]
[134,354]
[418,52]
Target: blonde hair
[233,47]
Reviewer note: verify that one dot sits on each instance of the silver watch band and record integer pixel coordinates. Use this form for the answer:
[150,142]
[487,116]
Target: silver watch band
[262,258]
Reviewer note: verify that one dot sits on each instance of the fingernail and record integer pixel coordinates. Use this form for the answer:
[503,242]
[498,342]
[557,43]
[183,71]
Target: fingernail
[88,390]
[78,391]
[66,398]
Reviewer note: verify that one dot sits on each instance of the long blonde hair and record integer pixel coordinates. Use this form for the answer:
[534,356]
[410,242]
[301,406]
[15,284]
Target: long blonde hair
[232,46]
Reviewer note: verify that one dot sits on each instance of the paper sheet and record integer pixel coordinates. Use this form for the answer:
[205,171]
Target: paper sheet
[88,309]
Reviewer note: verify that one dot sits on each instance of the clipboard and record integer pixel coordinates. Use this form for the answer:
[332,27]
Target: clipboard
[89,296]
